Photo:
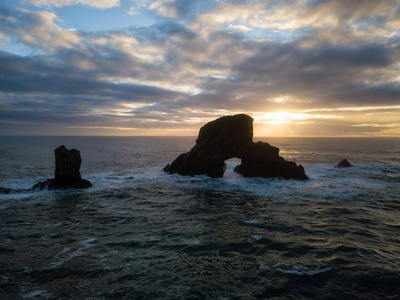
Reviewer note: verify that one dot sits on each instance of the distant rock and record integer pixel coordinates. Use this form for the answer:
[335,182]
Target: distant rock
[228,137]
[344,164]
[67,175]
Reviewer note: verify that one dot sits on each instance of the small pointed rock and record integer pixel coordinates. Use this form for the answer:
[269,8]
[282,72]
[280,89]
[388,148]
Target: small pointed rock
[344,164]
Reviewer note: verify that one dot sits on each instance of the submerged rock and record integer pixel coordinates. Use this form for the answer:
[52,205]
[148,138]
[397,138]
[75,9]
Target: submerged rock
[228,137]
[344,163]
[7,191]
[67,175]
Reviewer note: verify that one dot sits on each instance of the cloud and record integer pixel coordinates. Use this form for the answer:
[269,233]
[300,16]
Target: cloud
[203,59]
[41,75]
[369,56]
[164,8]
[103,4]
[343,12]
[162,31]
[37,29]
[303,15]
[137,6]
[185,9]
[240,28]
[41,91]
[325,73]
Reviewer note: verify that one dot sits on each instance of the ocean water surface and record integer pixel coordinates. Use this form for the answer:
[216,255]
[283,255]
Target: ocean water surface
[140,233]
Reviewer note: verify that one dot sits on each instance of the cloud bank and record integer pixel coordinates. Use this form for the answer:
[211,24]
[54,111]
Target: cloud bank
[299,67]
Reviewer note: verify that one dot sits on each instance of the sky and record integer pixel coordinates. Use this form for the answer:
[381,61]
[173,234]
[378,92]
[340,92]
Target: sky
[166,67]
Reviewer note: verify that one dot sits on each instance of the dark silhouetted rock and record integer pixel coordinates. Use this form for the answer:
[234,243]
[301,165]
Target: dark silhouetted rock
[344,164]
[13,191]
[263,160]
[67,175]
[7,191]
[228,137]
[218,141]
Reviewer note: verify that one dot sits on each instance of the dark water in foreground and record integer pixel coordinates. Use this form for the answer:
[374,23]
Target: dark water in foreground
[142,234]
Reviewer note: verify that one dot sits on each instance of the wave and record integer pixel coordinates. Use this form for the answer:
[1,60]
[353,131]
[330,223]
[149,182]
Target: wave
[66,254]
[325,182]
[300,270]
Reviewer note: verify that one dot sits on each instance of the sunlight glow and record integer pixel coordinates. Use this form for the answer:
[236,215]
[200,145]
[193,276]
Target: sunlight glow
[281,99]
[287,117]
[361,108]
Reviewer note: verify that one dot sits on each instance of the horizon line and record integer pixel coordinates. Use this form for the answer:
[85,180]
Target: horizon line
[195,136]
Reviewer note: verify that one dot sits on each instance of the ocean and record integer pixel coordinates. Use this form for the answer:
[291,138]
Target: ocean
[140,233]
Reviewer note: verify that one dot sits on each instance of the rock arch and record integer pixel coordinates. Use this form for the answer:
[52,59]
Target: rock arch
[228,137]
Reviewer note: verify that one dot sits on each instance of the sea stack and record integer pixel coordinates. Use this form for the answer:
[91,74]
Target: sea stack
[229,137]
[67,175]
[344,163]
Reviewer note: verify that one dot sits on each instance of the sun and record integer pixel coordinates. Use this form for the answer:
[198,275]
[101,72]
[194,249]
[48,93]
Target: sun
[289,122]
